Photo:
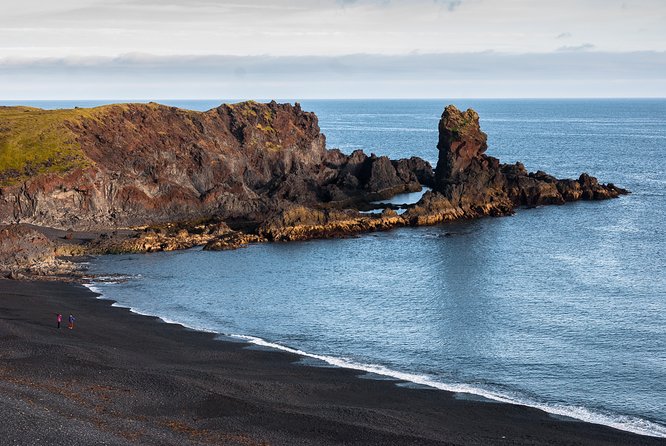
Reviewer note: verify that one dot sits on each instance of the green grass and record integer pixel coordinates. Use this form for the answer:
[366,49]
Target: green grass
[35,141]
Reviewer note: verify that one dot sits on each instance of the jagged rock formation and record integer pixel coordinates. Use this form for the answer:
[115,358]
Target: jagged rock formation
[467,184]
[177,176]
[475,184]
[303,223]
[26,251]
[214,236]
[142,164]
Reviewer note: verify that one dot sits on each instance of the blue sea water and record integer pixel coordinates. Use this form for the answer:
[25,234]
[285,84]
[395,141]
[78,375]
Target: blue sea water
[559,307]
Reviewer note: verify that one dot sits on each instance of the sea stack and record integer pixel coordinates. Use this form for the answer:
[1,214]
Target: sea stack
[477,184]
[461,141]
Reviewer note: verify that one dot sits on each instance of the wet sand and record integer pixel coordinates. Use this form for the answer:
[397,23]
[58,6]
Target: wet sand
[122,379]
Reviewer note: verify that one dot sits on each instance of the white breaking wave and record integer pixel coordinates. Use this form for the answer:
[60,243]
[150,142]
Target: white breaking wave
[626,423]
[622,422]
[94,289]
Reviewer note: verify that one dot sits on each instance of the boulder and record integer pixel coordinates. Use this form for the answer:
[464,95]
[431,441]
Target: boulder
[25,251]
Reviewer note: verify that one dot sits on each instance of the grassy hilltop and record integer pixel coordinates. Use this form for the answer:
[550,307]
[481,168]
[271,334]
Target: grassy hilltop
[35,141]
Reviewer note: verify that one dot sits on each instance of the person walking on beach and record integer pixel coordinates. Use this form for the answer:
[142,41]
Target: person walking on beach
[59,319]
[71,322]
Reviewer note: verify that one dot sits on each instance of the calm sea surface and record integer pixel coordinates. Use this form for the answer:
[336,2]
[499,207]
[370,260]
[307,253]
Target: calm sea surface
[561,307]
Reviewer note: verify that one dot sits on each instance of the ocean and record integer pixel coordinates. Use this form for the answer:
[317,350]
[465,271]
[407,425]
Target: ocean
[562,308]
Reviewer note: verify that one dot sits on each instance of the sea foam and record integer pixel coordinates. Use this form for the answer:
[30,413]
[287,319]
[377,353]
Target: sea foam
[626,423]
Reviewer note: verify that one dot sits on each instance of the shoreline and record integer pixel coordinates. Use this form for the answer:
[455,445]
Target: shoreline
[460,390]
[181,384]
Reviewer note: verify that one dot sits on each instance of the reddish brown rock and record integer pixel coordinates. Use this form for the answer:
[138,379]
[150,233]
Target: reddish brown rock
[461,141]
[24,250]
[473,184]
[153,164]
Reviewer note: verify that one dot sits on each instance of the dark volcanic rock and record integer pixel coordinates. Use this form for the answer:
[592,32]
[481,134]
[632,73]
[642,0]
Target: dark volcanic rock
[475,184]
[461,141]
[303,223]
[263,167]
[153,164]
[368,178]
[415,170]
[26,251]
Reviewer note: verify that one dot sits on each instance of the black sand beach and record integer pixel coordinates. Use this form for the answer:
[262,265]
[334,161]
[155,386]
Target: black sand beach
[120,379]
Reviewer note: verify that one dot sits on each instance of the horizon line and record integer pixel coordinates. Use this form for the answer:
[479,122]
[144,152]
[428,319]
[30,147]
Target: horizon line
[388,98]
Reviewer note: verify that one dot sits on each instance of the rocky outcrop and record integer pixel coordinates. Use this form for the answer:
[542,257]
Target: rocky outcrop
[213,236]
[264,169]
[26,251]
[232,240]
[467,183]
[367,178]
[151,164]
[461,143]
[474,184]
[303,223]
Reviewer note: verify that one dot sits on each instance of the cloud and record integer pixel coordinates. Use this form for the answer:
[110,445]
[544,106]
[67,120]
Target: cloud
[451,5]
[323,27]
[488,65]
[576,48]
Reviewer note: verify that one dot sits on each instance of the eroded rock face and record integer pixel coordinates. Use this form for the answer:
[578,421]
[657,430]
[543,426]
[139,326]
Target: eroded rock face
[362,177]
[461,142]
[153,164]
[26,251]
[477,184]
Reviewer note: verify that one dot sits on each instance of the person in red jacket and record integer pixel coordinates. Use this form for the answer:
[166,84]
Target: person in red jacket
[59,319]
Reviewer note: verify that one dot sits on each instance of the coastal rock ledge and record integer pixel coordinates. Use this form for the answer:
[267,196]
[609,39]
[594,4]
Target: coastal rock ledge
[147,177]
[467,184]
[477,184]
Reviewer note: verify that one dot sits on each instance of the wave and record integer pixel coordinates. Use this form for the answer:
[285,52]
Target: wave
[100,295]
[626,423]
[622,422]
[113,278]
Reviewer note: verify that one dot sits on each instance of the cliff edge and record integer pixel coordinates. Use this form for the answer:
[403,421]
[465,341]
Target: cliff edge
[233,175]
[129,165]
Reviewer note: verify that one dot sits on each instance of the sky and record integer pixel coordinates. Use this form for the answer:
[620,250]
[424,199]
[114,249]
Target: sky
[243,49]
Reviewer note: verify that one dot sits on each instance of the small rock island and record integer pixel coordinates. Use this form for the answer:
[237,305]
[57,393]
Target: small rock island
[148,177]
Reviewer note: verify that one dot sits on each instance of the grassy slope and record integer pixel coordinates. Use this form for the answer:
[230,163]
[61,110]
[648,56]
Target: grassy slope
[35,141]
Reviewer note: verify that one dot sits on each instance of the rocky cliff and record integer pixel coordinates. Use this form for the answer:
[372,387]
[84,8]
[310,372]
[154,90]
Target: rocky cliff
[140,164]
[476,184]
[180,176]
[26,251]
[467,184]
